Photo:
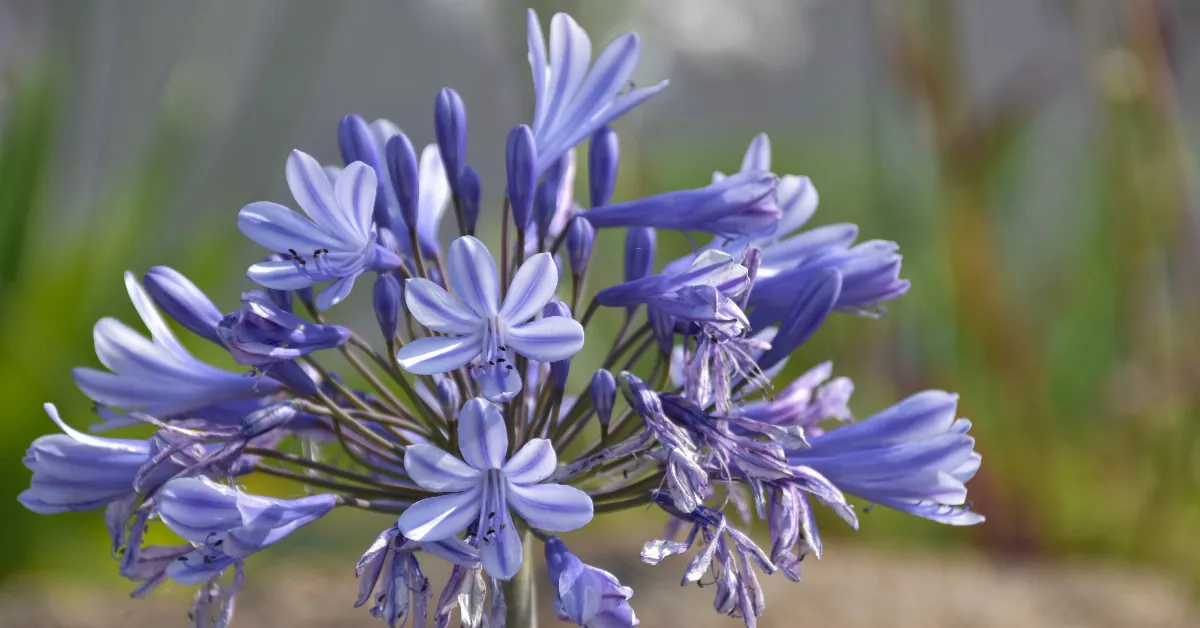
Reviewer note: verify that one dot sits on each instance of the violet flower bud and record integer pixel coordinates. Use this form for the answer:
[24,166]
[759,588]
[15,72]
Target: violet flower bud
[639,252]
[603,158]
[604,395]
[386,299]
[587,596]
[183,301]
[356,142]
[581,236]
[809,309]
[470,191]
[450,126]
[403,172]
[521,159]
[561,369]
[448,397]
[545,204]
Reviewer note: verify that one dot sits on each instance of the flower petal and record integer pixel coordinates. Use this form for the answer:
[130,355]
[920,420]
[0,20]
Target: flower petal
[355,193]
[473,275]
[531,289]
[482,438]
[278,276]
[549,339]
[278,228]
[551,507]
[532,463]
[336,292]
[437,518]
[435,469]
[438,354]
[498,383]
[162,335]
[500,546]
[435,195]
[570,52]
[313,193]
[437,309]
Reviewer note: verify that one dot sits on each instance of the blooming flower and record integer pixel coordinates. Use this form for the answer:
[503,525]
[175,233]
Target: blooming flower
[485,329]
[587,596]
[482,486]
[914,457]
[572,102]
[743,204]
[227,525]
[336,243]
[157,376]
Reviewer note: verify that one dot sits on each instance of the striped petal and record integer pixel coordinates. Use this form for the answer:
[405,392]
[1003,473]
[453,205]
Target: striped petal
[473,276]
[438,354]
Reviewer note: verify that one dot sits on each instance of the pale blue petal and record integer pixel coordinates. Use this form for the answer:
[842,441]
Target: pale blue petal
[482,438]
[537,64]
[314,194]
[437,309]
[278,276]
[355,193]
[336,292]
[500,546]
[532,463]
[531,289]
[441,517]
[758,155]
[438,354]
[551,507]
[473,276]
[546,340]
[278,228]
[570,52]
[798,199]
[434,469]
[159,331]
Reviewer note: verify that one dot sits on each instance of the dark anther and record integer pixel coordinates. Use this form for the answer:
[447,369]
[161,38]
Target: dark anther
[219,543]
[503,348]
[295,255]
[499,360]
[302,262]
[491,363]
[208,560]
[182,559]
[491,532]
[508,366]
[425,585]
[491,514]
[382,596]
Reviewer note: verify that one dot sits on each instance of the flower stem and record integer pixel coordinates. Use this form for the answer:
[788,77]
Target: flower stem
[520,593]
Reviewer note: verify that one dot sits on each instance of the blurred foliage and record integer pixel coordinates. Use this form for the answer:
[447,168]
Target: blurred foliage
[1077,365]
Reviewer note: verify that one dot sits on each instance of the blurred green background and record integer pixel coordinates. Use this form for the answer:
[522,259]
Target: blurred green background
[1034,159]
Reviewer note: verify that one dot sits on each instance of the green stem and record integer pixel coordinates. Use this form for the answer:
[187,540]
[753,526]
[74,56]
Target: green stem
[520,593]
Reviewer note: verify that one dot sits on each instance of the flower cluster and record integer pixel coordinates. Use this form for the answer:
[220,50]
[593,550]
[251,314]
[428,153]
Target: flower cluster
[458,421]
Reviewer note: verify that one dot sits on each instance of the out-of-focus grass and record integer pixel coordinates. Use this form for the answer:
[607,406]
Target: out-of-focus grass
[1077,374]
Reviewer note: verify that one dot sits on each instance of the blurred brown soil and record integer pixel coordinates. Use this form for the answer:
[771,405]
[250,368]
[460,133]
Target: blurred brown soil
[851,588]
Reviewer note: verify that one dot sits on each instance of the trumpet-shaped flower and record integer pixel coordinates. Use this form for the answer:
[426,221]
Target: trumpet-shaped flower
[157,376]
[336,243]
[482,486]
[481,326]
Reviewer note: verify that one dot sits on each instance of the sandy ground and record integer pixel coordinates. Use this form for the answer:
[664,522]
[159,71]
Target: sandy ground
[851,588]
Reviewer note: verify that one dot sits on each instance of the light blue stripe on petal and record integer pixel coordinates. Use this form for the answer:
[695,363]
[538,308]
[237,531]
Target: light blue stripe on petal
[551,507]
[546,340]
[437,309]
[441,517]
[482,437]
[435,469]
[532,463]
[438,354]
[278,275]
[473,275]
[531,289]
[355,193]
[336,292]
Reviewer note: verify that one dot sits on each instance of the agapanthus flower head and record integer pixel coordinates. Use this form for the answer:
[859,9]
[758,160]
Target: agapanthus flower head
[486,329]
[337,242]
[702,432]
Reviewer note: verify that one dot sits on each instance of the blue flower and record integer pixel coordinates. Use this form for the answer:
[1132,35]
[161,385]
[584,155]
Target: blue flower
[158,376]
[336,243]
[740,205]
[587,596]
[227,525]
[260,333]
[483,327]
[483,488]
[914,457]
[75,472]
[572,103]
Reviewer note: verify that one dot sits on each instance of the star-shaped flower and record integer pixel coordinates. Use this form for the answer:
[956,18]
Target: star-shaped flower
[483,488]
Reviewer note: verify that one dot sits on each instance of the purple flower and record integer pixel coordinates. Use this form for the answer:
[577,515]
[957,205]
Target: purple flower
[914,457]
[74,471]
[572,103]
[483,488]
[483,327]
[158,376]
[740,205]
[587,596]
[227,525]
[260,333]
[337,242]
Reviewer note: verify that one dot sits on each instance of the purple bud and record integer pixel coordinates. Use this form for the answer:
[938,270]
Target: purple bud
[545,204]
[639,252]
[450,126]
[586,596]
[580,238]
[604,394]
[355,141]
[603,157]
[387,299]
[402,170]
[183,301]
[561,369]
[470,191]
[809,309]
[448,397]
[521,158]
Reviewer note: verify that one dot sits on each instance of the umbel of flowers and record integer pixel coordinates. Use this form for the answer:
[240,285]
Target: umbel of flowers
[464,434]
